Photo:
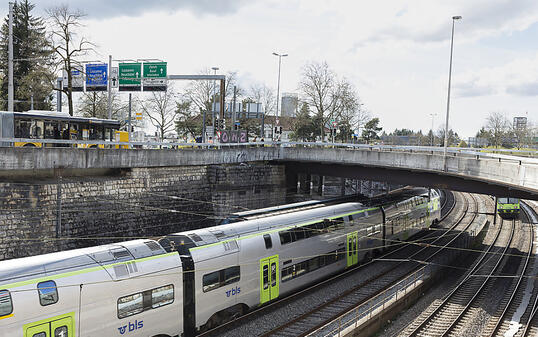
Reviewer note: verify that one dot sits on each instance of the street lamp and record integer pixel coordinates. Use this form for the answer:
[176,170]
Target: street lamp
[433,116]
[280,56]
[454,18]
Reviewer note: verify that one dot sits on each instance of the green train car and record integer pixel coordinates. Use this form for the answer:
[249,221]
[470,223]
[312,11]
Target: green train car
[508,207]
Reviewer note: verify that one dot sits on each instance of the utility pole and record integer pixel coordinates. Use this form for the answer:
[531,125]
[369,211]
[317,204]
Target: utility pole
[59,94]
[10,94]
[110,91]
[129,122]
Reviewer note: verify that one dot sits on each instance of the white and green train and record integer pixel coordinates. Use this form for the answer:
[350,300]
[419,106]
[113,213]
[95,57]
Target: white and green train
[192,281]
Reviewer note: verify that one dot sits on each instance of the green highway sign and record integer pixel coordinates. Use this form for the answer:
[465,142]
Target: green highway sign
[129,76]
[154,76]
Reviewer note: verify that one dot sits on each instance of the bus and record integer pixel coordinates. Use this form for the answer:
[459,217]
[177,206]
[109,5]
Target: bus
[37,125]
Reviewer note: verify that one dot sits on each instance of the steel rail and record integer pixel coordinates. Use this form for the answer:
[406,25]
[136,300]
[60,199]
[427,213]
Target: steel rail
[477,265]
[533,219]
[521,277]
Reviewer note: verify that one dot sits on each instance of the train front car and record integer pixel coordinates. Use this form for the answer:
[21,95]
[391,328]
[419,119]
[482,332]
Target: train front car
[508,207]
[132,288]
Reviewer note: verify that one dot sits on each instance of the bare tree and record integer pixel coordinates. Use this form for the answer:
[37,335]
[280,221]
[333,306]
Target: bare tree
[329,96]
[95,104]
[202,94]
[523,134]
[160,108]
[260,93]
[66,45]
[497,125]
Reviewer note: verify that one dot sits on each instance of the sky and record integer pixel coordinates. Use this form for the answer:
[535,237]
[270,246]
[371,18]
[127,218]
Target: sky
[395,52]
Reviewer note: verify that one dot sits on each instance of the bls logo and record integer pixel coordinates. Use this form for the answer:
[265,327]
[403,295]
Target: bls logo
[132,327]
[233,292]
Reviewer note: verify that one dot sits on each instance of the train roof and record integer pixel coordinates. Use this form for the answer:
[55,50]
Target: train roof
[53,263]
[215,234]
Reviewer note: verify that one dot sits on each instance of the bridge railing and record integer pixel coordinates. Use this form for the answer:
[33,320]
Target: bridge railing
[522,156]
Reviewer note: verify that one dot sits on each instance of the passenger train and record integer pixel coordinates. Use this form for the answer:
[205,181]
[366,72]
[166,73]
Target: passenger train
[184,283]
[508,207]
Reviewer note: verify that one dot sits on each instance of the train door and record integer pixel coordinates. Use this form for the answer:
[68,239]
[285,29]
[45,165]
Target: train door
[352,249]
[269,279]
[61,326]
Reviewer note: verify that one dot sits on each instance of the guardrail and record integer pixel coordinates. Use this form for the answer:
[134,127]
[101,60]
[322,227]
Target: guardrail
[527,156]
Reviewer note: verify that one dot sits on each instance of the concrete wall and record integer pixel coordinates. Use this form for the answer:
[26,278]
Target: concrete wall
[510,174]
[41,216]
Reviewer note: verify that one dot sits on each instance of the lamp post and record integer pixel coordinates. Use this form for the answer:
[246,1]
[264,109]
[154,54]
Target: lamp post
[433,116]
[454,18]
[280,56]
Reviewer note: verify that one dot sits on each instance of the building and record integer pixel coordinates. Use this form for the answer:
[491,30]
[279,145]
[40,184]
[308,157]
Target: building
[290,102]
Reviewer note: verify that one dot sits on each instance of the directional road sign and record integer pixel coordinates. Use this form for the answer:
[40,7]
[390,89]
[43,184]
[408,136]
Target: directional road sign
[77,79]
[96,77]
[129,76]
[154,76]
[114,71]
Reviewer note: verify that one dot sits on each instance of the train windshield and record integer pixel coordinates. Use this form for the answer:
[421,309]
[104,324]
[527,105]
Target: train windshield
[502,200]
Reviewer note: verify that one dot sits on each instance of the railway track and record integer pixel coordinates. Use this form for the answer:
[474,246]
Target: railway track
[530,317]
[319,317]
[446,318]
[501,323]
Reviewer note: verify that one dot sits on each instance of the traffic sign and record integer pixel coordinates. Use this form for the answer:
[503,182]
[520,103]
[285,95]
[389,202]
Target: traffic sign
[154,76]
[96,77]
[114,71]
[129,76]
[77,79]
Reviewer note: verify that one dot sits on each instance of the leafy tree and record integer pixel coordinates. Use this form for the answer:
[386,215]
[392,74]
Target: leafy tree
[32,69]
[304,127]
[188,122]
[371,129]
[453,138]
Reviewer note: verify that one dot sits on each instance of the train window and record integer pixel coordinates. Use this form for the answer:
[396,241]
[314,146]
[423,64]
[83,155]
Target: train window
[273,274]
[231,275]
[502,200]
[6,306]
[313,264]
[285,237]
[61,331]
[299,233]
[513,200]
[130,305]
[268,241]
[162,296]
[287,274]
[48,293]
[211,281]
[265,277]
[40,334]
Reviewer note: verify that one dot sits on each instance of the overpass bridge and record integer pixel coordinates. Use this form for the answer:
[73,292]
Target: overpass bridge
[462,170]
